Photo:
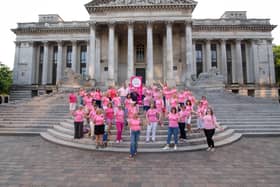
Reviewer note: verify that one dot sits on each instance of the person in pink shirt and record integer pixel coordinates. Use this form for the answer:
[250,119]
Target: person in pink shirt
[168,95]
[204,101]
[119,118]
[182,122]
[210,124]
[173,128]
[174,101]
[99,128]
[78,122]
[200,112]
[189,110]
[87,100]
[98,97]
[132,110]
[117,101]
[105,101]
[181,98]
[152,117]
[135,126]
[72,101]
[82,93]
[146,103]
[109,116]
[91,117]
[123,91]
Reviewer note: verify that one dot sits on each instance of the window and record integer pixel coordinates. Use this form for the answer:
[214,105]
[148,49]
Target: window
[55,55]
[83,61]
[69,57]
[199,59]
[229,63]
[214,55]
[140,53]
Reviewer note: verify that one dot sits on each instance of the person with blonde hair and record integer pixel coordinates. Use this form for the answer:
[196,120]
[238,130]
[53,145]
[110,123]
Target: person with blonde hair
[99,128]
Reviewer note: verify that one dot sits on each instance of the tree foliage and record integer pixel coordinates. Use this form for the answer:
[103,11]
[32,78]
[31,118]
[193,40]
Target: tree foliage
[276,52]
[5,79]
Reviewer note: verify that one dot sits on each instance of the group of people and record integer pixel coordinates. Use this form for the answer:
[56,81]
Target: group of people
[120,107]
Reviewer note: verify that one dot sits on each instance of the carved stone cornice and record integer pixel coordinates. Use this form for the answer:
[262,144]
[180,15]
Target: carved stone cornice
[262,28]
[105,5]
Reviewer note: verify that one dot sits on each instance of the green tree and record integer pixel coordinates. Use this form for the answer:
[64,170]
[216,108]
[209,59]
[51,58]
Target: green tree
[276,53]
[5,79]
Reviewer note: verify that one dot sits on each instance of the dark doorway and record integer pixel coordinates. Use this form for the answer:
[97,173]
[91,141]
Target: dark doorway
[142,73]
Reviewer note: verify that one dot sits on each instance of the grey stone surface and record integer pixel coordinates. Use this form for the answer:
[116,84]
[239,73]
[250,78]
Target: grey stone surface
[30,161]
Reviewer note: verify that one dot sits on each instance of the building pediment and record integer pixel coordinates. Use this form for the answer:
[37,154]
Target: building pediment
[96,5]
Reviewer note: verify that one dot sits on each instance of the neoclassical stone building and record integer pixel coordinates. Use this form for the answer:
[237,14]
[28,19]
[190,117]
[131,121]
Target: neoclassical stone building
[157,39]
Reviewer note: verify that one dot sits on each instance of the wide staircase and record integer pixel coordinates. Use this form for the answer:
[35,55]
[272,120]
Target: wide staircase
[31,117]
[247,115]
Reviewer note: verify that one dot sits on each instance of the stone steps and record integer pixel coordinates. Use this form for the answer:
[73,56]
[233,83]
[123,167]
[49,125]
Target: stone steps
[63,134]
[92,147]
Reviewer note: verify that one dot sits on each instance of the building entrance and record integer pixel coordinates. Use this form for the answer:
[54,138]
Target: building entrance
[142,73]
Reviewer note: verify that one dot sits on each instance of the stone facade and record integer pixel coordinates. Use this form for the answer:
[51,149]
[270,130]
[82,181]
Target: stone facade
[157,39]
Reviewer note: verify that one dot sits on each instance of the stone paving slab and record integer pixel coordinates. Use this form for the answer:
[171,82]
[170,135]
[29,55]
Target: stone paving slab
[32,162]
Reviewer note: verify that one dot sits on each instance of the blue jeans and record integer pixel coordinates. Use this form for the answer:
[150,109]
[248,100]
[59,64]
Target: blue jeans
[174,131]
[134,137]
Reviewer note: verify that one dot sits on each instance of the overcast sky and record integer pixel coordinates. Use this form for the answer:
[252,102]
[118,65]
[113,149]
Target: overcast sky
[14,11]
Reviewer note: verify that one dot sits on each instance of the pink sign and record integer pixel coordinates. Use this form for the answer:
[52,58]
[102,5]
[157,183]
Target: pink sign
[136,84]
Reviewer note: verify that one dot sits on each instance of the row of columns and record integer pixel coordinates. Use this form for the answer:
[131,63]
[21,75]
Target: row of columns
[150,56]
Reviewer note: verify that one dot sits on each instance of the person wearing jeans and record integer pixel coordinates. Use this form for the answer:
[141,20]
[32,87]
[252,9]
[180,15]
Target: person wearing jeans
[152,117]
[173,128]
[134,124]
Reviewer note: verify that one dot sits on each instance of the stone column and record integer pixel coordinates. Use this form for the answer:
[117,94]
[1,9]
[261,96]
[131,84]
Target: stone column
[271,62]
[189,56]
[150,55]
[208,56]
[45,64]
[59,62]
[224,60]
[194,58]
[111,55]
[130,51]
[169,55]
[249,64]
[238,62]
[16,61]
[91,51]
[97,60]
[74,56]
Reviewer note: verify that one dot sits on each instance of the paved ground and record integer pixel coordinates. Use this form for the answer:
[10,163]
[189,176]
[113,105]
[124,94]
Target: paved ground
[31,161]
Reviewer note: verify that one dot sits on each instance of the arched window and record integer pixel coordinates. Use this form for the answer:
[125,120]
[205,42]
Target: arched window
[140,52]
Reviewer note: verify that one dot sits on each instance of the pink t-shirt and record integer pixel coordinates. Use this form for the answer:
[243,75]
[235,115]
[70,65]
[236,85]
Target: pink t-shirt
[152,115]
[82,93]
[109,113]
[92,114]
[119,114]
[173,102]
[72,98]
[117,101]
[183,114]
[173,119]
[79,116]
[105,101]
[201,111]
[159,104]
[132,111]
[168,94]
[209,122]
[123,91]
[135,124]
[99,119]
[127,103]
[204,103]
[146,101]
[87,100]
[181,98]
[97,95]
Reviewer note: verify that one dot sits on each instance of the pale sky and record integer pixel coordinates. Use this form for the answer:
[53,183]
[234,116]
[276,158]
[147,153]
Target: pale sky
[14,11]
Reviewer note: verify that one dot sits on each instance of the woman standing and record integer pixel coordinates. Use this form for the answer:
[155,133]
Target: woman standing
[119,118]
[99,128]
[152,117]
[78,122]
[210,123]
[173,118]
[134,124]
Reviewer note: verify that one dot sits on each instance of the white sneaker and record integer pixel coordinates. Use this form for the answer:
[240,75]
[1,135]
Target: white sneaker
[175,147]
[166,147]
[117,141]
[213,149]
[208,149]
